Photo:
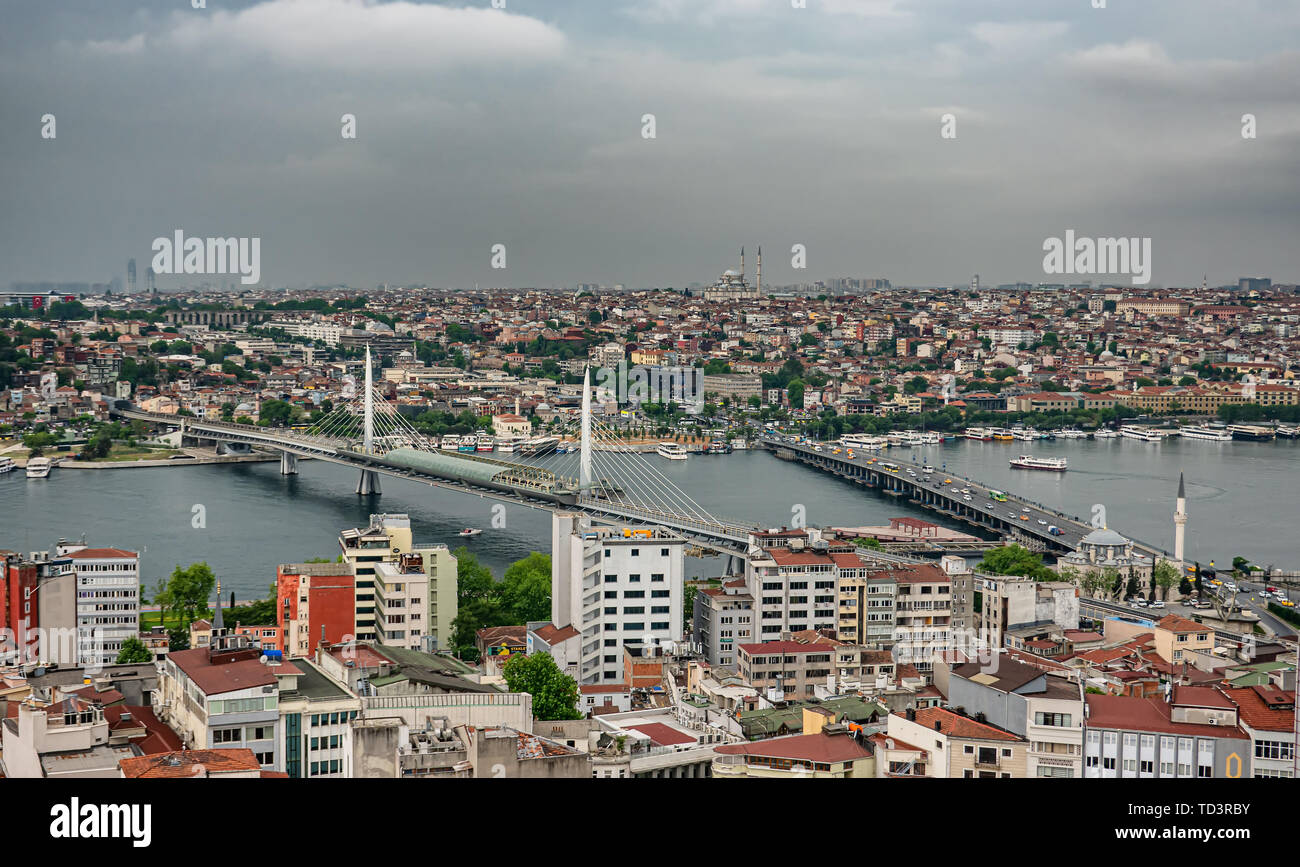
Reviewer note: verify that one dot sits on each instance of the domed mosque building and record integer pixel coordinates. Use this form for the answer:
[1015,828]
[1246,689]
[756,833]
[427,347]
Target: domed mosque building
[1106,549]
[731,286]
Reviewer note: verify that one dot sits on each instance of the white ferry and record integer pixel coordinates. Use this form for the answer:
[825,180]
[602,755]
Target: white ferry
[1199,432]
[6,464]
[484,443]
[982,434]
[931,438]
[1024,434]
[38,468]
[862,441]
[508,444]
[1140,432]
[449,443]
[672,451]
[537,446]
[1029,462]
[739,444]
[1105,433]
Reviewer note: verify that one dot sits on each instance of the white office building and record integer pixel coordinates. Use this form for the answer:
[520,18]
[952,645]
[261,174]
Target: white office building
[616,586]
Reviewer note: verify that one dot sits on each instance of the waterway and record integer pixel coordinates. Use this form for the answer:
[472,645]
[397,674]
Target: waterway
[1242,500]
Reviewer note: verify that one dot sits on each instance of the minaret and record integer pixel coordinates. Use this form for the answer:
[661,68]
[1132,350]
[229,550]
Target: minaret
[758,281]
[742,264]
[1180,521]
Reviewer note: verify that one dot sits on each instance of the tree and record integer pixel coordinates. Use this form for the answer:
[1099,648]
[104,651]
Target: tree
[133,650]
[1015,560]
[1165,576]
[555,694]
[178,639]
[478,600]
[526,590]
[187,591]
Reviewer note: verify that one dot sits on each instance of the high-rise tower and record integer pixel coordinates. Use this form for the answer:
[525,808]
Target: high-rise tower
[758,280]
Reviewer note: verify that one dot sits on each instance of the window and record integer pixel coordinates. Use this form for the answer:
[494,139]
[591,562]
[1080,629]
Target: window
[656,577]
[227,736]
[663,552]
[611,579]
[1059,720]
[656,594]
[636,552]
[635,594]
[635,578]
[987,756]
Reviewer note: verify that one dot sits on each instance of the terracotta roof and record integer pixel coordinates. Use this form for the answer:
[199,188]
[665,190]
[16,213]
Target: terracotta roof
[158,737]
[785,647]
[664,736]
[225,677]
[189,763]
[1147,714]
[1264,708]
[1174,623]
[101,554]
[820,747]
[955,725]
[551,635]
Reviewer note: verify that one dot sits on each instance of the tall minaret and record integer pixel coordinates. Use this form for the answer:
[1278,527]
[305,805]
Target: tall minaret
[758,281]
[742,263]
[1180,521]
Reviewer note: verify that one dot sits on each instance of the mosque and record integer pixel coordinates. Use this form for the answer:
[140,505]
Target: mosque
[731,286]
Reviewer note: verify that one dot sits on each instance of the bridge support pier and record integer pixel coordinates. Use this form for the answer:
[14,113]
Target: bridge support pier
[735,565]
[368,484]
[288,464]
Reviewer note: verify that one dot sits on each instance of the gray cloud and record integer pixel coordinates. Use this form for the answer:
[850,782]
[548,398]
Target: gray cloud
[775,126]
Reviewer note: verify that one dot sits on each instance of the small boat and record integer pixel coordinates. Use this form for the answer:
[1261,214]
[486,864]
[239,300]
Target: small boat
[38,468]
[469,531]
[6,464]
[468,443]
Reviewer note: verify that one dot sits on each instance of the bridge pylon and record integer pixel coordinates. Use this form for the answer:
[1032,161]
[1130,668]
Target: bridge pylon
[368,484]
[288,464]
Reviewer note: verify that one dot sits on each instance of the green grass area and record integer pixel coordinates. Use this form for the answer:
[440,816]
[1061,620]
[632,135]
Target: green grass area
[150,619]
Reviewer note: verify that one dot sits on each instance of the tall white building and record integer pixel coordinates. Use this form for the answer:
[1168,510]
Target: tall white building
[616,586]
[107,600]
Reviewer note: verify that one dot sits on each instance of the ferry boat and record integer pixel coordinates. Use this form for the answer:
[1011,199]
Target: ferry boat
[1001,434]
[739,444]
[1250,432]
[468,443]
[862,441]
[1024,434]
[6,464]
[38,468]
[1029,462]
[1105,433]
[1288,432]
[1140,432]
[449,443]
[537,446]
[672,451]
[1199,432]
[719,447]
[982,434]
[485,443]
[508,444]
[469,531]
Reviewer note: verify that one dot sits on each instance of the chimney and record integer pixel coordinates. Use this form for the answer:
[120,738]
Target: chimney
[911,714]
[938,725]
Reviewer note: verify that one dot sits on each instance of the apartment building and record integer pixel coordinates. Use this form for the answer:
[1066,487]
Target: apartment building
[387,537]
[867,598]
[317,603]
[1192,733]
[401,599]
[1177,639]
[1011,602]
[953,746]
[788,669]
[722,620]
[616,586]
[1027,701]
[795,585]
[923,614]
[224,696]
[94,590]
[1267,716]
[316,715]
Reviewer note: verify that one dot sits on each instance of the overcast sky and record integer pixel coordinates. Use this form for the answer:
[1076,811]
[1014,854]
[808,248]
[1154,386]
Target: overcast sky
[775,126]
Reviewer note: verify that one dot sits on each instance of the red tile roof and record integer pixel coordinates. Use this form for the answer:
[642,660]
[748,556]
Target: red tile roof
[664,736]
[1149,715]
[1264,708]
[955,725]
[225,677]
[189,763]
[820,747]
[101,554]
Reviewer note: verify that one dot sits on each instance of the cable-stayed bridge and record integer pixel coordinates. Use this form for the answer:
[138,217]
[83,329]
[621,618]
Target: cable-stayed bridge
[605,477]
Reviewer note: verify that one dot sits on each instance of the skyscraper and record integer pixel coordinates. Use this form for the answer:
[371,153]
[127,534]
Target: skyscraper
[130,276]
